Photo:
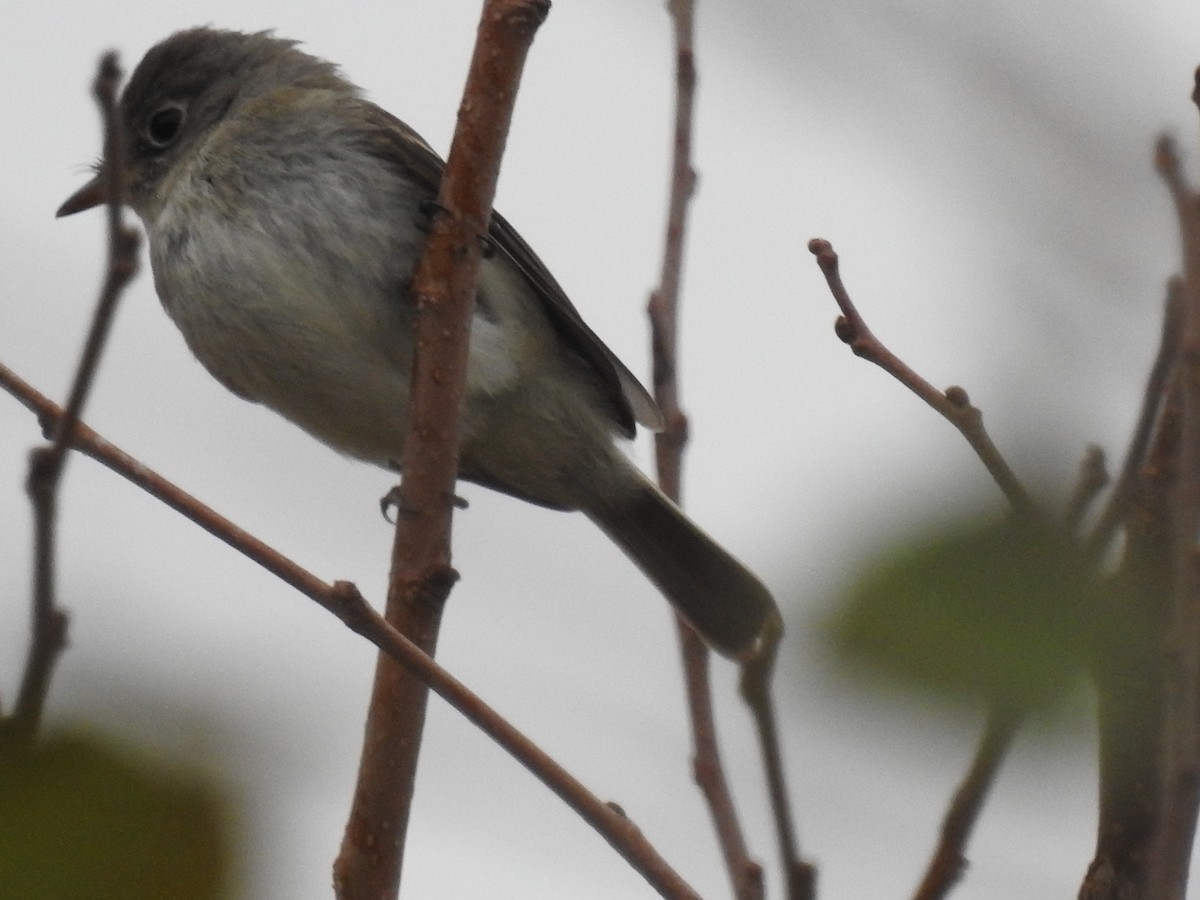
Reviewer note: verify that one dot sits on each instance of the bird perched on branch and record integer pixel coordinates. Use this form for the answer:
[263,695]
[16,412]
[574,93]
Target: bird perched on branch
[285,215]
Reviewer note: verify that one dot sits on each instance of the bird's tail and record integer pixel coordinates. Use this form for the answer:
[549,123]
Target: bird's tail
[726,604]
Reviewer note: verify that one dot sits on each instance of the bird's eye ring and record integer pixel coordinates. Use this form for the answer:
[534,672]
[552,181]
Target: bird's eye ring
[164,126]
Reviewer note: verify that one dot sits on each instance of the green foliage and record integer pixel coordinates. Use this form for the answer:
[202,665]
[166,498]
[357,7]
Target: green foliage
[82,819]
[1004,612]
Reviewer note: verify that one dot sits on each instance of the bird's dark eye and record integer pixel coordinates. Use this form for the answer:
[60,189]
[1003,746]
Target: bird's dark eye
[163,126]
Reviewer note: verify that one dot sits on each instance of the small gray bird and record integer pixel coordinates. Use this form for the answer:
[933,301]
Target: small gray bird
[285,215]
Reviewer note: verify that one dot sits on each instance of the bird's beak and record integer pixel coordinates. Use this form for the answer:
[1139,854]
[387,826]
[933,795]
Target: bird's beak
[91,194]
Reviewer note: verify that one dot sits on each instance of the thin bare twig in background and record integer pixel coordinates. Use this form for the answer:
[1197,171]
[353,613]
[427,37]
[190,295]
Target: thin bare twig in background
[949,860]
[1117,507]
[952,403]
[1093,478]
[372,852]
[757,677]
[745,874]
[344,601]
[46,463]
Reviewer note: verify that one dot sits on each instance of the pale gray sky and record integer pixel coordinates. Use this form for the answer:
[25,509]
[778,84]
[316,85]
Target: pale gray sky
[984,170]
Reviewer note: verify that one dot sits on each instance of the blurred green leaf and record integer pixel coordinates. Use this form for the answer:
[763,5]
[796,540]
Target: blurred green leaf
[1003,612]
[82,819]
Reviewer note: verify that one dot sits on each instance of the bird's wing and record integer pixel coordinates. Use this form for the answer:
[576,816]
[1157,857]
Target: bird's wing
[630,403]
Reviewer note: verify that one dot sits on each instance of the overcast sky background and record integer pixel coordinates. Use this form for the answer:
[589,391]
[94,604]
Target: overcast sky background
[984,171]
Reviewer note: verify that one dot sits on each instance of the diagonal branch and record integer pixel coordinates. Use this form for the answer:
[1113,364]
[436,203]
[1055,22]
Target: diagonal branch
[344,601]
[949,860]
[953,403]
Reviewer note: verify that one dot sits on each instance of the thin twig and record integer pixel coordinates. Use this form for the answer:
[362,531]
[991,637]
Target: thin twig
[49,631]
[953,403]
[744,873]
[344,601]
[757,677]
[372,852]
[1093,478]
[949,860]
[1119,501]
[123,244]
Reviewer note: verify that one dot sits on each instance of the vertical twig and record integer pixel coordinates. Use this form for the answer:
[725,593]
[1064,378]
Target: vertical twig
[1130,669]
[1117,508]
[1093,478]
[46,463]
[757,676]
[745,873]
[444,288]
[1181,734]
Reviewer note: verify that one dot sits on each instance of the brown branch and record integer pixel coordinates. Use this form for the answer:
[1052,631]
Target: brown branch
[953,403]
[1131,673]
[949,860]
[1122,497]
[372,852]
[123,244]
[344,601]
[745,874]
[1181,733]
[1093,478]
[49,631]
[757,674]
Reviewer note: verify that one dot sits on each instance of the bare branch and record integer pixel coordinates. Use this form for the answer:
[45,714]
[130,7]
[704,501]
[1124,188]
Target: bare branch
[443,287]
[1171,858]
[757,676]
[1152,399]
[1131,672]
[123,244]
[953,403]
[745,874]
[949,860]
[46,463]
[344,601]
[1093,478]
